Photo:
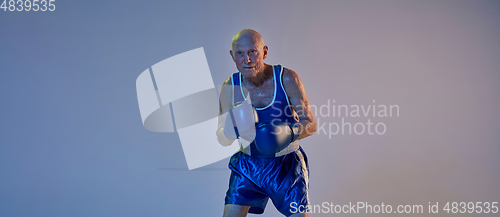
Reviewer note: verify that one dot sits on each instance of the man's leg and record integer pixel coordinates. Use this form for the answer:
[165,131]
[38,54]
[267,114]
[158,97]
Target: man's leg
[234,210]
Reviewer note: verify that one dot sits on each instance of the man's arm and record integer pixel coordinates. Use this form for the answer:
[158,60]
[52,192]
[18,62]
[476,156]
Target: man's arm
[298,98]
[225,103]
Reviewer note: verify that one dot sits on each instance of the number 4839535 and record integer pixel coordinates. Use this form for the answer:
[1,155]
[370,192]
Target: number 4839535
[28,5]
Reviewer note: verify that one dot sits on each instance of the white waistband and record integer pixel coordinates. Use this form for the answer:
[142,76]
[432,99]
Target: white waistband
[294,146]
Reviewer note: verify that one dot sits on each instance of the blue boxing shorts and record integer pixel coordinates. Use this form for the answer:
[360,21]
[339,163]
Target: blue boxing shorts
[254,180]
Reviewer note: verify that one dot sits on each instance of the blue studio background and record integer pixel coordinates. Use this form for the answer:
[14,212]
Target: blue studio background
[72,142]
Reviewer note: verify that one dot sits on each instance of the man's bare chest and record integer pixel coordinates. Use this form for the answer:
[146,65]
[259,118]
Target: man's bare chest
[263,95]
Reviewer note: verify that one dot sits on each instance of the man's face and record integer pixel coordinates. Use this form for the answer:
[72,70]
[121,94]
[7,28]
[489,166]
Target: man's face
[249,55]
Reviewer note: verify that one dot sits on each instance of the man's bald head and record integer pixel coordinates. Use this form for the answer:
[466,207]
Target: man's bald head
[248,36]
[249,52]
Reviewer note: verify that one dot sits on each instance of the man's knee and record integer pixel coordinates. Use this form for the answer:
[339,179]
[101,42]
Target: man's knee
[300,215]
[234,210]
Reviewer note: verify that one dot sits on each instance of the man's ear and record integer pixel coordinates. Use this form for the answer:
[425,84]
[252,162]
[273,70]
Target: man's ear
[265,51]
[231,53]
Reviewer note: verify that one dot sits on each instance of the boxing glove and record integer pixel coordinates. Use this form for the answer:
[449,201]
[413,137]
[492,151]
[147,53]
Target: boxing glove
[240,121]
[274,136]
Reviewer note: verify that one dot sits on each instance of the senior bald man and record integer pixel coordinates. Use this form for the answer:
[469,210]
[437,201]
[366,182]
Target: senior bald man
[273,165]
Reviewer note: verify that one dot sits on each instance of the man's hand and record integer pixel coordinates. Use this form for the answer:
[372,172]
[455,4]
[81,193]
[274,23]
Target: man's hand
[275,136]
[240,121]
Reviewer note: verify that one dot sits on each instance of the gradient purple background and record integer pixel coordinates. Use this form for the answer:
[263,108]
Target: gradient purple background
[72,142]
